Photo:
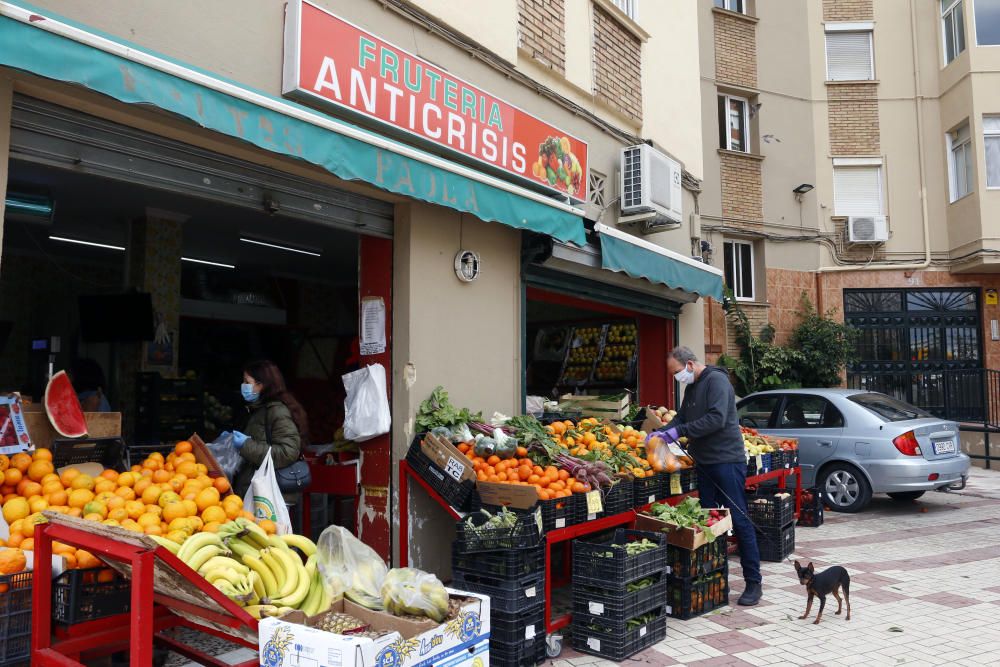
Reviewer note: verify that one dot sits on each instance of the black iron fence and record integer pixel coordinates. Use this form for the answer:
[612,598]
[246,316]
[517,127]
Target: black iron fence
[972,398]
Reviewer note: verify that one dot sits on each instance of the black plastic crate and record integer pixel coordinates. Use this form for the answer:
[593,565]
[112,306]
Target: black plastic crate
[78,596]
[618,498]
[471,537]
[616,646]
[527,654]
[688,597]
[106,451]
[506,595]
[508,631]
[607,565]
[687,481]
[620,604]
[776,544]
[15,617]
[503,563]
[764,467]
[645,491]
[556,513]
[811,513]
[457,494]
[774,513]
[708,558]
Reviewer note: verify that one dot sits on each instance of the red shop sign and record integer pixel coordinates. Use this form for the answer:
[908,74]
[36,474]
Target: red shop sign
[338,63]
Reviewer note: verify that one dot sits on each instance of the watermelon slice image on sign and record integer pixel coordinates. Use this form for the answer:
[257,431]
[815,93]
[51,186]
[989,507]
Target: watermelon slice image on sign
[63,407]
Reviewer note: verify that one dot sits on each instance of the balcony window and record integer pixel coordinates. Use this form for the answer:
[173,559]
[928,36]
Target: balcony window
[738,269]
[630,7]
[987,17]
[991,141]
[732,5]
[734,121]
[952,28]
[960,169]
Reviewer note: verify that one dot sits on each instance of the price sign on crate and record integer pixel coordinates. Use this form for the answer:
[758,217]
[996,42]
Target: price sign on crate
[455,468]
[675,484]
[594,503]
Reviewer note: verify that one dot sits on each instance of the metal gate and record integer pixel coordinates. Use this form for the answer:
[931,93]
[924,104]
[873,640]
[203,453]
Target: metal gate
[910,338]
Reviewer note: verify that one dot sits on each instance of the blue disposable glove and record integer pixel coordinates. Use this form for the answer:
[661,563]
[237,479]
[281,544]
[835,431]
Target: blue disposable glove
[667,435]
[239,439]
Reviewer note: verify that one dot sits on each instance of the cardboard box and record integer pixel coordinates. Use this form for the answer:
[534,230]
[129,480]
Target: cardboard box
[592,406]
[447,457]
[99,425]
[517,496]
[291,641]
[685,538]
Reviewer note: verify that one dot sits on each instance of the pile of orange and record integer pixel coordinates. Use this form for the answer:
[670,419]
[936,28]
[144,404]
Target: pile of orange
[172,496]
[622,445]
[549,482]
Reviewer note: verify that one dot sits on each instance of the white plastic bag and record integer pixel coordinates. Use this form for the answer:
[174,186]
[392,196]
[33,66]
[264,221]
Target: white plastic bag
[349,567]
[407,591]
[366,408]
[264,499]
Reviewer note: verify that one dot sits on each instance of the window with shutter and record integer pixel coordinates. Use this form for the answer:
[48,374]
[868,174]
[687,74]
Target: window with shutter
[857,190]
[849,56]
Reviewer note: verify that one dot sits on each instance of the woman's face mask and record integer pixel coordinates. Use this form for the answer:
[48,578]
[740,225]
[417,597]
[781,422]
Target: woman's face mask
[685,375]
[247,390]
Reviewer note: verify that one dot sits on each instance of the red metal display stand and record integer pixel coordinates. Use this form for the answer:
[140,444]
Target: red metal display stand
[557,536]
[151,611]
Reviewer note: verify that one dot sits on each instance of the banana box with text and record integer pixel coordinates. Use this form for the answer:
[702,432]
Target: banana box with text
[462,641]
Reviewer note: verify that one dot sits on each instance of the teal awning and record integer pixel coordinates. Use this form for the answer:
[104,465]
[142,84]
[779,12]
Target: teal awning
[103,64]
[640,259]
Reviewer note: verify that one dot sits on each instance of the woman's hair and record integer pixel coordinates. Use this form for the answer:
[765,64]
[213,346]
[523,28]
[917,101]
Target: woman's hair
[273,382]
[86,375]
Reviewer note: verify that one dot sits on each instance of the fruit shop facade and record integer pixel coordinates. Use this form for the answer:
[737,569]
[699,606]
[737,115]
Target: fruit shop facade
[83,95]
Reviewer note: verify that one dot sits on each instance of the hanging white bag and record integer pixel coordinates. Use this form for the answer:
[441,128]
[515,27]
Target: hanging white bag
[366,407]
[264,499]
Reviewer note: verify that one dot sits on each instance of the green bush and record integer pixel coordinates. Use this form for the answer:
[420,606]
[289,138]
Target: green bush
[819,350]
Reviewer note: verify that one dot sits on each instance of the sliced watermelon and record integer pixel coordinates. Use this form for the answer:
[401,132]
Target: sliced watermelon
[63,407]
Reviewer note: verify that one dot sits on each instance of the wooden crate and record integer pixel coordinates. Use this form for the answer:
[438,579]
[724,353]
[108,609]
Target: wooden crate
[99,425]
[593,406]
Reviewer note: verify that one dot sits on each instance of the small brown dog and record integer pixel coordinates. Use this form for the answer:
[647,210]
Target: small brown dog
[831,580]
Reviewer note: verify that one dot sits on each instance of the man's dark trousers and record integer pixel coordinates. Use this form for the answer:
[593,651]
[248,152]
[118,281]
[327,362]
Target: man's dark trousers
[730,479]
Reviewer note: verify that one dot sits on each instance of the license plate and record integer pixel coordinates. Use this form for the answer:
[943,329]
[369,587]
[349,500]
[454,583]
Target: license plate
[944,447]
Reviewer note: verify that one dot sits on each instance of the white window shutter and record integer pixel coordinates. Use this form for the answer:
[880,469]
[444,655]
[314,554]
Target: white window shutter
[849,56]
[857,191]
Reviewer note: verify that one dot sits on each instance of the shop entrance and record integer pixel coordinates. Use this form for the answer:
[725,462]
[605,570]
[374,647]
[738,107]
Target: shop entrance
[111,234]
[581,346]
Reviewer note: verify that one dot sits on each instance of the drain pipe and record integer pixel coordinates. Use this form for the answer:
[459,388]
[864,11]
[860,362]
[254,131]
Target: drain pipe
[917,99]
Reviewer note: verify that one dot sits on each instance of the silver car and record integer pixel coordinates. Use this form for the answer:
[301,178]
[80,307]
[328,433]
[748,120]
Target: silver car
[855,443]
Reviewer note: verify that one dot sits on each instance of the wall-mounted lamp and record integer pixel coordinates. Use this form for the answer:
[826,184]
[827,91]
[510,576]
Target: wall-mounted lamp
[801,190]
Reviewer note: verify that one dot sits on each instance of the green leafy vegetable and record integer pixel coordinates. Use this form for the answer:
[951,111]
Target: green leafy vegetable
[438,411]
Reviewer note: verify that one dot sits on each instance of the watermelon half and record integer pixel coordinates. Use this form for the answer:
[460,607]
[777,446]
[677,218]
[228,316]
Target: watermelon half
[63,407]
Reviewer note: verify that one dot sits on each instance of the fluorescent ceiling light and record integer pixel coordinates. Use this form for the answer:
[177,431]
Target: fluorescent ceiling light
[92,244]
[205,261]
[281,247]
[28,205]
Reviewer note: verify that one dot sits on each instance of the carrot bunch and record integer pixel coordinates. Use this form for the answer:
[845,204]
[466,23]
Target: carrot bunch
[549,481]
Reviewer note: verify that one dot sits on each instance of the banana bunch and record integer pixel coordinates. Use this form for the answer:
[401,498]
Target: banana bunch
[262,573]
[411,592]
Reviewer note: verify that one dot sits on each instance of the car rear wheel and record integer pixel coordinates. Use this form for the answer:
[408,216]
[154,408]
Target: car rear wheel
[906,496]
[845,489]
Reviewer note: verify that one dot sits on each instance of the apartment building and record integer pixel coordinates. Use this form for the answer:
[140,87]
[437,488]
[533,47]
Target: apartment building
[857,160]
[438,179]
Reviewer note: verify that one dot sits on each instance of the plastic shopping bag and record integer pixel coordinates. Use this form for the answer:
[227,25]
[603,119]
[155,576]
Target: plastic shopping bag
[349,567]
[366,408]
[226,454]
[408,591]
[264,499]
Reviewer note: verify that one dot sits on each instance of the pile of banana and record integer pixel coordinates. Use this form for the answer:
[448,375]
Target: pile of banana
[262,573]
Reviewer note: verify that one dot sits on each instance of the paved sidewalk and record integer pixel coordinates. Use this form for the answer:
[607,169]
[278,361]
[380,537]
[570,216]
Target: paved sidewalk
[925,590]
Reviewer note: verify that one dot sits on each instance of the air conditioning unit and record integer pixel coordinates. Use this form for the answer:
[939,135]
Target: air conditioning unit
[867,229]
[650,187]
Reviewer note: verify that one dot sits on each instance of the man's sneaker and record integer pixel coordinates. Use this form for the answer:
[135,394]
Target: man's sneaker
[751,596]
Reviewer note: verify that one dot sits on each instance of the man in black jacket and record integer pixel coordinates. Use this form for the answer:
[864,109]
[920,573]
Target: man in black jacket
[707,418]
